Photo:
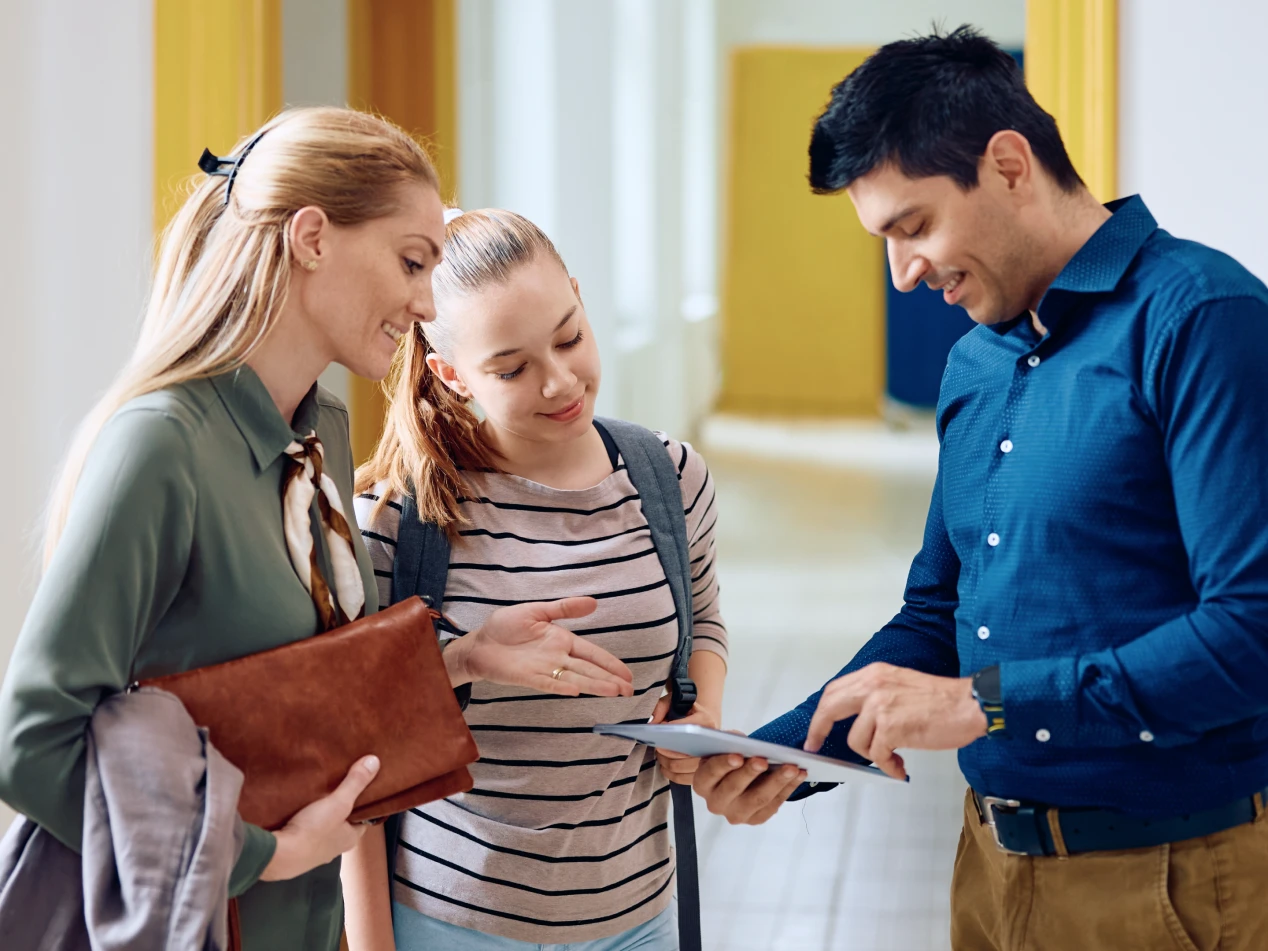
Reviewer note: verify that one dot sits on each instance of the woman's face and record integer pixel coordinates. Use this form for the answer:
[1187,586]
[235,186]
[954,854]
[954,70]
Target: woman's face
[523,350]
[372,281]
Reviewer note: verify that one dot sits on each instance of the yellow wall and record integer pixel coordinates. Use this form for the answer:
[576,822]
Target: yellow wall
[217,77]
[402,65]
[803,308]
[1072,71]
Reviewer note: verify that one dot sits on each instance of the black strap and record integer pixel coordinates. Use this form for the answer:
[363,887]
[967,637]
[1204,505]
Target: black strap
[421,567]
[656,479]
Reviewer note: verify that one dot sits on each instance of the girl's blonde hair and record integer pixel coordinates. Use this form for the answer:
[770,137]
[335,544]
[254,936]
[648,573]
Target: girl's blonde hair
[224,269]
[431,433]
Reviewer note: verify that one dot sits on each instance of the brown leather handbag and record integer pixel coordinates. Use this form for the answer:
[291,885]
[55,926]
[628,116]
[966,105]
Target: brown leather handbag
[295,718]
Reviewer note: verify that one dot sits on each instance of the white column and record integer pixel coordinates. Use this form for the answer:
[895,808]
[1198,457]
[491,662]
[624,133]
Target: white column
[75,243]
[315,73]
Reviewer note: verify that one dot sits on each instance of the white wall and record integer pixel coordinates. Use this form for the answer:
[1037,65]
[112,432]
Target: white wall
[76,150]
[1193,123]
[315,73]
[864,22]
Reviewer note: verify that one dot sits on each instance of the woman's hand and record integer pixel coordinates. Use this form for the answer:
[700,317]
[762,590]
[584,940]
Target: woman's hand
[522,646]
[678,767]
[320,832]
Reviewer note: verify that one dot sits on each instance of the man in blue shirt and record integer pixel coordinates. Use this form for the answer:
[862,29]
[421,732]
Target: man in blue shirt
[1087,620]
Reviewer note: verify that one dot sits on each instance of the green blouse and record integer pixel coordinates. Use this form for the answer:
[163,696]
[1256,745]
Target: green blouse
[173,557]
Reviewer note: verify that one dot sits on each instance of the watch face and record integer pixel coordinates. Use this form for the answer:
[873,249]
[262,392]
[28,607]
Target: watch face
[986,687]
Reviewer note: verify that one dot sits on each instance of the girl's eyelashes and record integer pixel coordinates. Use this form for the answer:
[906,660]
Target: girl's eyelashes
[566,345]
[512,375]
[413,266]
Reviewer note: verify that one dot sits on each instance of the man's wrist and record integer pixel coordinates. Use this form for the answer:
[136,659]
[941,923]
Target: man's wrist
[988,693]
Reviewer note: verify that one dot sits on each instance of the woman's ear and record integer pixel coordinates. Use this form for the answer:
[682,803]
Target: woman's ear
[309,233]
[576,288]
[448,375]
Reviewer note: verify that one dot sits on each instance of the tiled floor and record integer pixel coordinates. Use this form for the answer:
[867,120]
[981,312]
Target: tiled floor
[813,558]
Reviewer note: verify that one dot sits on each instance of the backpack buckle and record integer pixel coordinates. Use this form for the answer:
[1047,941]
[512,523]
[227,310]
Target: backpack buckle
[684,697]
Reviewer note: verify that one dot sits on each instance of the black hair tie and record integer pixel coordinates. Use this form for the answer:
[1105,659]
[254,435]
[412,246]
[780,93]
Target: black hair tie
[227,167]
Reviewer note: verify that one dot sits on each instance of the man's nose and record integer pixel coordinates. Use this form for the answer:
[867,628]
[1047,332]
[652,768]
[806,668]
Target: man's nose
[906,270]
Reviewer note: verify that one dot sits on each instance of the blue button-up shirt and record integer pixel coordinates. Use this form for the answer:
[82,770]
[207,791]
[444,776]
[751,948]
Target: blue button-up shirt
[1099,530]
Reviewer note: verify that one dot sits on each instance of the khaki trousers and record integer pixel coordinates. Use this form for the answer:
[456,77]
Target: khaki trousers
[1207,894]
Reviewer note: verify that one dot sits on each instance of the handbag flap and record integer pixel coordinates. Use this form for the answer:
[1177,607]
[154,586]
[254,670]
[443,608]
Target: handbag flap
[295,718]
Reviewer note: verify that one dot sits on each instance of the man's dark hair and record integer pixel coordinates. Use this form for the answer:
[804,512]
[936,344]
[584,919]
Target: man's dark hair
[930,105]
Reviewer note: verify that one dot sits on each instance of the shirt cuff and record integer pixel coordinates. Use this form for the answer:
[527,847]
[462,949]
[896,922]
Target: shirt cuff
[1071,701]
[258,847]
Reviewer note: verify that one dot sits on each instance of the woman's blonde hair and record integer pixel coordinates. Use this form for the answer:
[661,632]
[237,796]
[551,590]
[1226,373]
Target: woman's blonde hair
[431,433]
[224,269]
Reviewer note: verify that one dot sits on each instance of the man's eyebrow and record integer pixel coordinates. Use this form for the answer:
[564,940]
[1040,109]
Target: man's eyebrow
[559,326]
[434,249]
[909,210]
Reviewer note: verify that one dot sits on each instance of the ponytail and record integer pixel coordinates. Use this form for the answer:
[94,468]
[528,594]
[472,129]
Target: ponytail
[430,434]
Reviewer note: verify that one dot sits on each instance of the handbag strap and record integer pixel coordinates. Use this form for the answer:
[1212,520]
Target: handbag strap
[656,479]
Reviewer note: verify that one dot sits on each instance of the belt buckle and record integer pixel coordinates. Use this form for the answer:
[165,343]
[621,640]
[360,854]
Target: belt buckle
[989,805]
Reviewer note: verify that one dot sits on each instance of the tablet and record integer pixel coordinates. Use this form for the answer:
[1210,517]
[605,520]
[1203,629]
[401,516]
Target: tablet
[692,740]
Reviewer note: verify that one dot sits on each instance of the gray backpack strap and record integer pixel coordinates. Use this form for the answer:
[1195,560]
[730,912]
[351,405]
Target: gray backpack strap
[421,567]
[656,479]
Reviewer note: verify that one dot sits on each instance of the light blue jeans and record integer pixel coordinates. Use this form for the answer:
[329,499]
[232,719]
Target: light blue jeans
[418,932]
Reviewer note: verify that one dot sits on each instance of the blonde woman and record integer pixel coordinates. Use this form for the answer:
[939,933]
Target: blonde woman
[314,243]
[564,839]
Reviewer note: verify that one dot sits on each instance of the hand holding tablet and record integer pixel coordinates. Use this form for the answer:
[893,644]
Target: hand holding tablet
[692,740]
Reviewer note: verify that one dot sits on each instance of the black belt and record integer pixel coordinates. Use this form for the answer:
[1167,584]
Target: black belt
[1027,828]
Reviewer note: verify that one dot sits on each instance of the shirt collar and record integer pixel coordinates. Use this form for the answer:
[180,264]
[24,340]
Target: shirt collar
[257,417]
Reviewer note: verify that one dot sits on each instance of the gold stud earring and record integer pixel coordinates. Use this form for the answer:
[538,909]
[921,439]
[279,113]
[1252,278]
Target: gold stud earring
[310,265]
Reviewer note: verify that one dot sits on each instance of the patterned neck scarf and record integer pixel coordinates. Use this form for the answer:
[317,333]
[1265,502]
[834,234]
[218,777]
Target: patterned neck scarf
[304,481]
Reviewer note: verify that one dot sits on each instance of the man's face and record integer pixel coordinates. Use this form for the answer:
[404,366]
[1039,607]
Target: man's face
[970,245]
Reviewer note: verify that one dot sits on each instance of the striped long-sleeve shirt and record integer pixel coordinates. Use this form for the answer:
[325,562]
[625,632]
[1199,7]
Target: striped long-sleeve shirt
[565,836]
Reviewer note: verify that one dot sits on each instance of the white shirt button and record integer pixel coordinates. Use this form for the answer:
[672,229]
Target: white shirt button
[1006,446]
[1043,736]
[992,539]
[983,632]
[1033,360]
[1146,736]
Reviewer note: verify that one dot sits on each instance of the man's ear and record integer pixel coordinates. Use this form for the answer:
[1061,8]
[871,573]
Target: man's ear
[1009,160]
[310,236]
[448,375]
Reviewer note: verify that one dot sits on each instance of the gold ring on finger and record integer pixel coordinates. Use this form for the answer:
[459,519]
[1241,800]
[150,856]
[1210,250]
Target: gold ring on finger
[557,673]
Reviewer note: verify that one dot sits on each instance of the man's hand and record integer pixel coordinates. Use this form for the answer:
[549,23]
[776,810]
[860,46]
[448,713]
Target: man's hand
[743,791]
[678,767]
[898,707]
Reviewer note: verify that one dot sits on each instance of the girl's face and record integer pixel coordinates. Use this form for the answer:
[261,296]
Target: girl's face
[523,350]
[372,281]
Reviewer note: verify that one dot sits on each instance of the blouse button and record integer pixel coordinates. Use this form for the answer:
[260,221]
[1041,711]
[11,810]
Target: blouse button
[1006,446]
[1043,736]
[1033,360]
[992,539]
[983,632]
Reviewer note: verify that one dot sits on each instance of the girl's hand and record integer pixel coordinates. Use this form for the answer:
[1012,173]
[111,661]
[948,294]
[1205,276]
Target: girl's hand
[678,767]
[522,646]
[320,832]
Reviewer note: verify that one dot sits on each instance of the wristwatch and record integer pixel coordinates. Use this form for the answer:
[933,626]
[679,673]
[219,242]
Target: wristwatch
[989,696]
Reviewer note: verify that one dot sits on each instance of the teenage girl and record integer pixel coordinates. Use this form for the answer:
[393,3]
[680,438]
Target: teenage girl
[564,839]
